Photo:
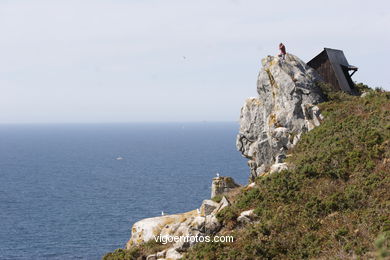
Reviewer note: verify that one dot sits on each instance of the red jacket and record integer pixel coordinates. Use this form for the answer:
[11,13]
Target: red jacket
[282,49]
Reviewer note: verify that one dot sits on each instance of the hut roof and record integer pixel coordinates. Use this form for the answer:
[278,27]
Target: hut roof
[340,67]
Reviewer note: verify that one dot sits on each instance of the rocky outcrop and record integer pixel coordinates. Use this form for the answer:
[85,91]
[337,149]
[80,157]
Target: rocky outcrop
[177,224]
[199,222]
[246,217]
[222,185]
[273,122]
[192,223]
[208,206]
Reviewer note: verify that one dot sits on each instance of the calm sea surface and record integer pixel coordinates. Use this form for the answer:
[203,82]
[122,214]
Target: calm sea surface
[73,191]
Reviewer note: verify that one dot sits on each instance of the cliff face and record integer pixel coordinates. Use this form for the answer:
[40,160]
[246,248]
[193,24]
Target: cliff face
[285,108]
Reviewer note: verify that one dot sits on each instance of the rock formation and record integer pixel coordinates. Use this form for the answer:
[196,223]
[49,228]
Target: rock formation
[273,122]
[221,185]
[199,222]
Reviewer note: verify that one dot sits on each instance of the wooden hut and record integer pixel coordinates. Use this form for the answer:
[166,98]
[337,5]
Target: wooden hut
[334,68]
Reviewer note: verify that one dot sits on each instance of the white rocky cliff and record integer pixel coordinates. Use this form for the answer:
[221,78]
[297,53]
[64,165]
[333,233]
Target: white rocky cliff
[273,122]
[270,124]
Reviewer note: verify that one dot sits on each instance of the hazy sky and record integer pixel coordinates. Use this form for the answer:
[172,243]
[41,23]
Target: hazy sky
[171,60]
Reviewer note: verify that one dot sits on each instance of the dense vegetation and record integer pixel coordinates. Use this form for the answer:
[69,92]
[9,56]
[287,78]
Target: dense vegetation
[333,204]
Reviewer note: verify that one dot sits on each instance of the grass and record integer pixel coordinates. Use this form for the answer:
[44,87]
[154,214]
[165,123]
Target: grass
[217,198]
[136,253]
[334,203]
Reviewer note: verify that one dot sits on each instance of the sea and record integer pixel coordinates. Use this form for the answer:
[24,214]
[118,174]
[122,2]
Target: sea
[73,191]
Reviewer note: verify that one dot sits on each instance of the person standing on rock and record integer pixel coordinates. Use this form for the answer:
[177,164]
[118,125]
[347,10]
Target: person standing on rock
[282,49]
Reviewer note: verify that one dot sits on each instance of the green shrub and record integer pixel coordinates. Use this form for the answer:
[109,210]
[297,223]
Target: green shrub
[137,252]
[217,198]
[123,254]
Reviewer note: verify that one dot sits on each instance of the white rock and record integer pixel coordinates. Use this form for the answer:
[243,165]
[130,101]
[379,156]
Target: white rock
[161,254]
[251,185]
[222,204]
[147,229]
[207,207]
[246,216]
[151,257]
[172,254]
[273,122]
[278,167]
[212,225]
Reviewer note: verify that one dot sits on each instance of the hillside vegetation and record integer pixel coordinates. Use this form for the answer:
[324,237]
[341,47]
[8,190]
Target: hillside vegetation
[334,203]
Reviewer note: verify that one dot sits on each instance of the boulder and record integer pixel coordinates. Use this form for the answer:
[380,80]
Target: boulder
[250,186]
[273,122]
[212,225]
[172,254]
[208,207]
[246,216]
[222,204]
[278,167]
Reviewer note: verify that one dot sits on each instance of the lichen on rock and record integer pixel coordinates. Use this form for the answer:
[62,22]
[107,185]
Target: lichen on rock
[273,122]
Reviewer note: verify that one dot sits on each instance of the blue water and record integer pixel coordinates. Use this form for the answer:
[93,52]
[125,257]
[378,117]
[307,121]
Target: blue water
[64,195]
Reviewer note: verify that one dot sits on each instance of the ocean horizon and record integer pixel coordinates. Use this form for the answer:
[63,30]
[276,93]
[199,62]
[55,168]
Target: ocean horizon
[73,191]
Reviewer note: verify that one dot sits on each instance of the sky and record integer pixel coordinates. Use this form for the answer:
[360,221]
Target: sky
[95,61]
